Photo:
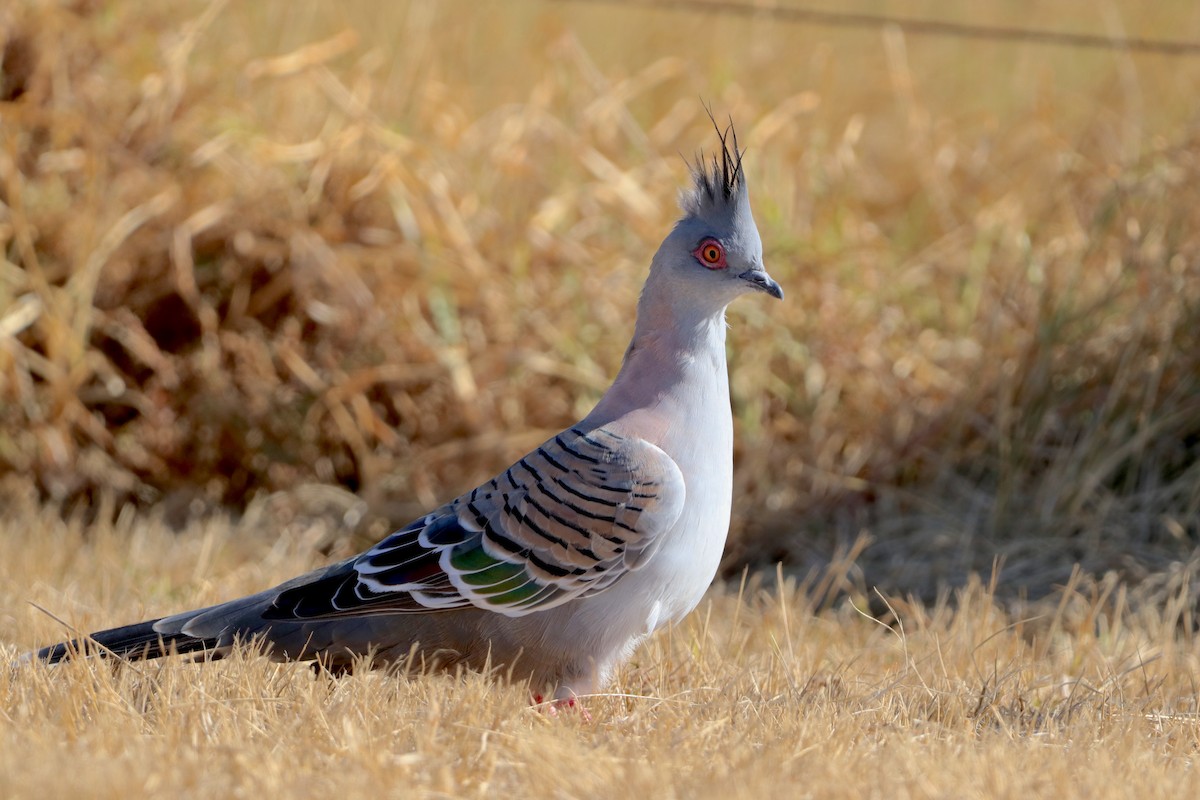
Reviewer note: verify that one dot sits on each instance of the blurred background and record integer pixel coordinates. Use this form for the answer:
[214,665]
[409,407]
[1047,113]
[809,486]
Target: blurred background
[336,263]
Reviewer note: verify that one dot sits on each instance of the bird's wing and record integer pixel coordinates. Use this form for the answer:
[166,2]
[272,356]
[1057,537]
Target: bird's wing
[566,521]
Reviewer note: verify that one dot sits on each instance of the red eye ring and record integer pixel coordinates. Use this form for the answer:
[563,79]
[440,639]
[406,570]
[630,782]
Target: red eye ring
[710,254]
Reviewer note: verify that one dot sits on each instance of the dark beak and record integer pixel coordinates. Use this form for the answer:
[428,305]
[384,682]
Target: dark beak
[759,279]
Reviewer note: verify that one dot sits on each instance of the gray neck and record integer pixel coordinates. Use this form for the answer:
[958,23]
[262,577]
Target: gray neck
[676,357]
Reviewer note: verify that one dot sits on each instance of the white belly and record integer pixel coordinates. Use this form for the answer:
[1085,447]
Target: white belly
[671,583]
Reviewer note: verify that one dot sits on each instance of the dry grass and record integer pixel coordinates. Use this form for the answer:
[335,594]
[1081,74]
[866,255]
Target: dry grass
[390,246]
[322,265]
[765,695]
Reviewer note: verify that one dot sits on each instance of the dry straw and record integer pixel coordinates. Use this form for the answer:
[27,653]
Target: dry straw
[323,265]
[230,269]
[760,693]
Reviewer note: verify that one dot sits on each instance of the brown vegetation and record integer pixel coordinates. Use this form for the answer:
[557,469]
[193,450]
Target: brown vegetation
[246,253]
[318,266]
[763,692]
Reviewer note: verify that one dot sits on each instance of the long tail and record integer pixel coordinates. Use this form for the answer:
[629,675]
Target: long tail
[213,630]
[135,642]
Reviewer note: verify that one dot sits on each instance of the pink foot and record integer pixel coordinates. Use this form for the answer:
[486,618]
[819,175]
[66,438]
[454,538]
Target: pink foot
[552,708]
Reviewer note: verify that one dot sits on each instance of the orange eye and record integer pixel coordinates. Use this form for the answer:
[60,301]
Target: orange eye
[711,254]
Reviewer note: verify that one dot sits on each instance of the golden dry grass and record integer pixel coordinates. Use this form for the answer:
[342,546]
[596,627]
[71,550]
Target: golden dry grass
[274,247]
[391,245]
[759,696]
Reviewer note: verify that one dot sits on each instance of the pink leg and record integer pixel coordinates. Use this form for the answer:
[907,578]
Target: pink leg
[572,703]
[552,708]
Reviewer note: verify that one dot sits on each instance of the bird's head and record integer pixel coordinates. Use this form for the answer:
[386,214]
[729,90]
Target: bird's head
[714,253]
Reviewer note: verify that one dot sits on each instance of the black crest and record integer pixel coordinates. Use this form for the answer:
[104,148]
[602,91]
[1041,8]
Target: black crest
[719,180]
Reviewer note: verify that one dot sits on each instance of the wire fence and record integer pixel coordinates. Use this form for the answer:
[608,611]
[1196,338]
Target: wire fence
[914,25]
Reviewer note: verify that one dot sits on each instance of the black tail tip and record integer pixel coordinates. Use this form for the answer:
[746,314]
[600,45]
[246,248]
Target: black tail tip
[135,642]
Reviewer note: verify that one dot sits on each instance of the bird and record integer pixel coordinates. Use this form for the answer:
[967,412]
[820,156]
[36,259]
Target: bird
[558,567]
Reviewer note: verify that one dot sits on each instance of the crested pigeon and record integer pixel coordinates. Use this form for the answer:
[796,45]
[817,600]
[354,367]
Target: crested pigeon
[557,567]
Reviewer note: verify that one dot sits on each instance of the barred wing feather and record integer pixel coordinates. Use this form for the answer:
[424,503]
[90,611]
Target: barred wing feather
[566,521]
